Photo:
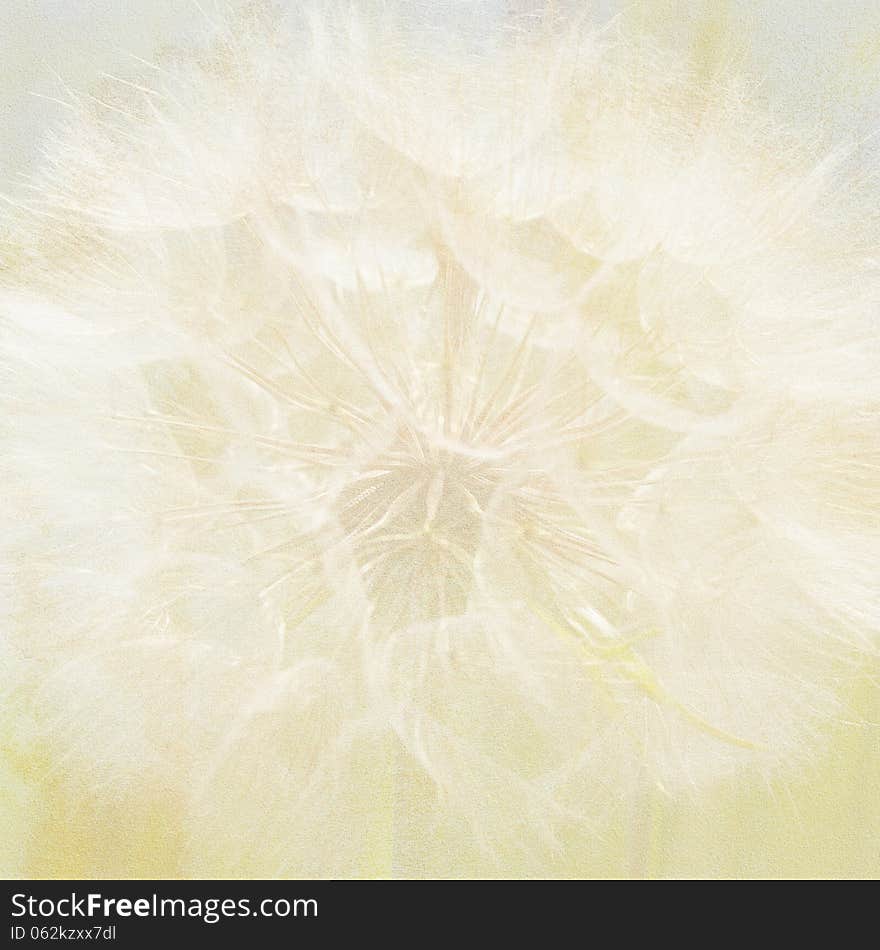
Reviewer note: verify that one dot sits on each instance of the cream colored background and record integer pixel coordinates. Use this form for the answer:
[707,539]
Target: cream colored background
[820,59]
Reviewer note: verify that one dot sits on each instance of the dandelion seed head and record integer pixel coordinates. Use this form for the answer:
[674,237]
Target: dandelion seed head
[385,428]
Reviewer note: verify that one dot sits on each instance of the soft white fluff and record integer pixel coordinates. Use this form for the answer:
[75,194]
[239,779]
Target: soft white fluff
[392,428]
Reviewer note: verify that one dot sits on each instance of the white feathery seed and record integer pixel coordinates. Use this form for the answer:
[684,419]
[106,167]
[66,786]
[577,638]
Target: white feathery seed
[499,421]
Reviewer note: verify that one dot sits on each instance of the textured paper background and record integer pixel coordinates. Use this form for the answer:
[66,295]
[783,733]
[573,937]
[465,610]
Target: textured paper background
[820,58]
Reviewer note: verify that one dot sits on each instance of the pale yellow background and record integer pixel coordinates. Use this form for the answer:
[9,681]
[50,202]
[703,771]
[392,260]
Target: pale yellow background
[821,59]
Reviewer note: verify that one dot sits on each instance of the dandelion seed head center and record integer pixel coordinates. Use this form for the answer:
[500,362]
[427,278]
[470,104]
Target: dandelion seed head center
[414,519]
